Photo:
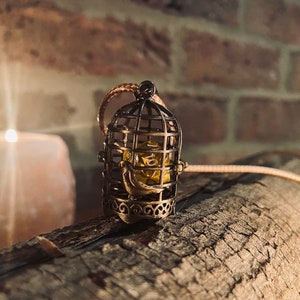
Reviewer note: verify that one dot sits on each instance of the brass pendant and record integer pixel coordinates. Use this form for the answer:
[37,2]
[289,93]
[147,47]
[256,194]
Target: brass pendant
[141,156]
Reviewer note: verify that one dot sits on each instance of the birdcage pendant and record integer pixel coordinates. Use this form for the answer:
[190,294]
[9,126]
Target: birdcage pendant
[141,159]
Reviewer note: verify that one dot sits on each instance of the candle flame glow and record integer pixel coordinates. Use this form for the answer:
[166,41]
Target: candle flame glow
[11,136]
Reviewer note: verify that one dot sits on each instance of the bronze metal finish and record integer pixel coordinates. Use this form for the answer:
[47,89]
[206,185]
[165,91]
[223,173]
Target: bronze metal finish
[141,155]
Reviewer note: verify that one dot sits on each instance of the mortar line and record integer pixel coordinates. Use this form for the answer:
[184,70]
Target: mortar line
[241,16]
[288,72]
[284,68]
[178,57]
[231,120]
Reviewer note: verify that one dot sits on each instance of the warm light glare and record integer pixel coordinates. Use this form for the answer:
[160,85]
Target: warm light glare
[11,136]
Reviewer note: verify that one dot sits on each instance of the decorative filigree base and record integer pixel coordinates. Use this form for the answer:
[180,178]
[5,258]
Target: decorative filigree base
[131,211]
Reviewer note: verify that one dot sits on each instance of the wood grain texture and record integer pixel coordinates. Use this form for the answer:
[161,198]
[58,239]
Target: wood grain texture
[236,239]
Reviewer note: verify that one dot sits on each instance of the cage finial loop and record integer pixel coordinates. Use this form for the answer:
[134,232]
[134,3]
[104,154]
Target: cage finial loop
[145,90]
[141,91]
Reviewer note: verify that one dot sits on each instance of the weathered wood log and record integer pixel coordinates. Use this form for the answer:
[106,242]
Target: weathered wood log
[236,238]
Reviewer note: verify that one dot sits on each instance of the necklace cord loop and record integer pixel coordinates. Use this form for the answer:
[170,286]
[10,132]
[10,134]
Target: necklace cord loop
[139,90]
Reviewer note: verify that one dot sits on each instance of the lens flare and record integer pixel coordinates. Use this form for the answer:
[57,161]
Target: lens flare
[9,189]
[11,136]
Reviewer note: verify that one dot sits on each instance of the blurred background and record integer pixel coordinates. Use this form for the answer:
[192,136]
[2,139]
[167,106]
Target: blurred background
[228,69]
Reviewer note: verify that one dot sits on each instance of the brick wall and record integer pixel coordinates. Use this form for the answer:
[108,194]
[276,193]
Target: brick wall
[228,69]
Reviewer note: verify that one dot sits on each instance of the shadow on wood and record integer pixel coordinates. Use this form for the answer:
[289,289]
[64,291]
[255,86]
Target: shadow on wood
[236,238]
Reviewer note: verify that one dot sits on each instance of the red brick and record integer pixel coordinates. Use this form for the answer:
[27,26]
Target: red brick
[268,120]
[294,77]
[229,63]
[219,11]
[36,110]
[277,19]
[203,119]
[55,38]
